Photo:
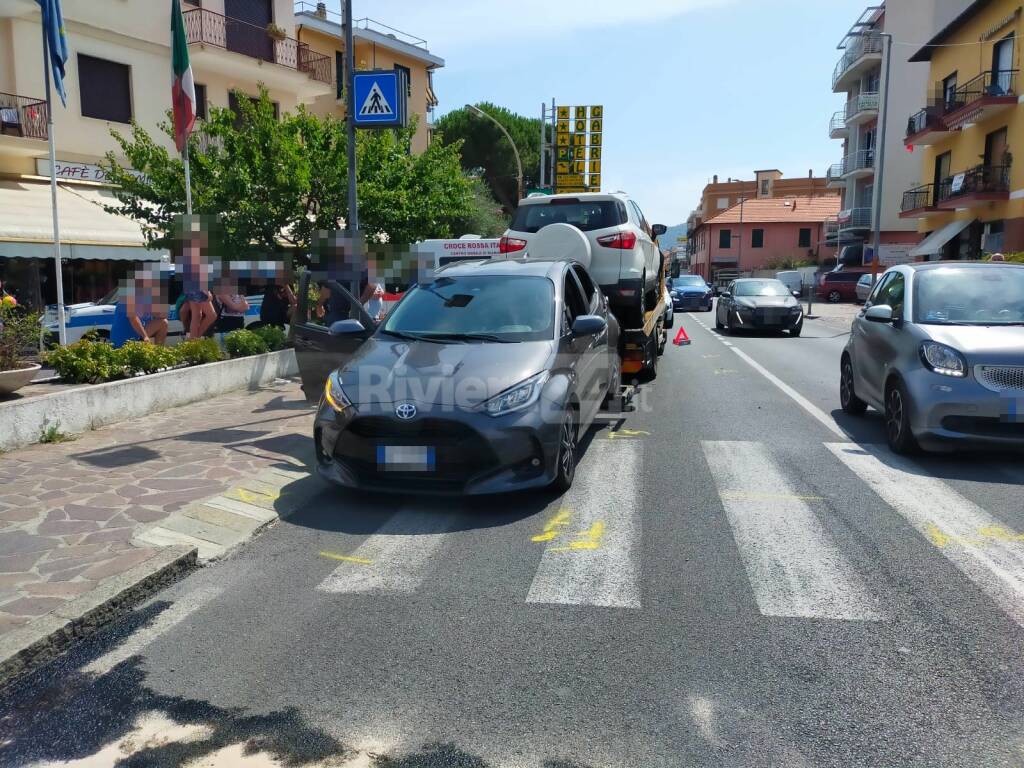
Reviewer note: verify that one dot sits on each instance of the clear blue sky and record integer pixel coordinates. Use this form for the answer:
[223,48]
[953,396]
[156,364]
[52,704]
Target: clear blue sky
[690,87]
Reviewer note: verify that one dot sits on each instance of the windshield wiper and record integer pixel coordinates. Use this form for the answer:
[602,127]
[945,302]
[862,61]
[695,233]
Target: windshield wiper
[411,336]
[471,337]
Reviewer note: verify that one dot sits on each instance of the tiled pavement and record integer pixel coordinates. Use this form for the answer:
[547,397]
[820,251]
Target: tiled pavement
[69,511]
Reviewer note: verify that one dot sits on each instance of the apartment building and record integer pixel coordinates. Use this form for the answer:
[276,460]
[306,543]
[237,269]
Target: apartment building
[755,233]
[719,196]
[859,76]
[969,198]
[376,46]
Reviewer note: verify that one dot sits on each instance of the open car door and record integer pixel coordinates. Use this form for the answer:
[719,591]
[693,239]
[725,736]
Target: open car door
[318,351]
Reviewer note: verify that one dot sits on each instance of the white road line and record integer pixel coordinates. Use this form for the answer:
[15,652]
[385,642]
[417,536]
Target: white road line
[183,607]
[794,567]
[396,558]
[800,400]
[978,544]
[593,560]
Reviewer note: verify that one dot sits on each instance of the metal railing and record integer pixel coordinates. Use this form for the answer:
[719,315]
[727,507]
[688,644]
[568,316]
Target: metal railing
[858,47]
[929,118]
[211,28]
[862,102]
[981,179]
[918,198]
[23,116]
[855,218]
[831,227]
[858,161]
[320,11]
[1000,82]
[838,122]
[834,173]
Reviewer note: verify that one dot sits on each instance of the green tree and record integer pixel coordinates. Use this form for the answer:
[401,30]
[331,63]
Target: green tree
[484,217]
[276,181]
[485,147]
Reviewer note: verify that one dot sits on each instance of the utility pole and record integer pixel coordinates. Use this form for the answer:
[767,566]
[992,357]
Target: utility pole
[876,257]
[543,139]
[350,112]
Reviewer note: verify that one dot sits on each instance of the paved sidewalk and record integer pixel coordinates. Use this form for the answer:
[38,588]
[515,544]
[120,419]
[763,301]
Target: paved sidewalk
[836,315]
[69,511]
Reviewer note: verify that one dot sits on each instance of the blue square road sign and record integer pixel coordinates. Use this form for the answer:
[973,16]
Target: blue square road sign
[380,99]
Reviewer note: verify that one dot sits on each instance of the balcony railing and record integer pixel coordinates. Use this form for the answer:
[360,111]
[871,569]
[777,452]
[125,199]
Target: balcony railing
[858,47]
[855,218]
[918,198]
[994,83]
[979,180]
[23,116]
[838,122]
[929,118]
[857,161]
[834,173]
[831,227]
[862,102]
[210,28]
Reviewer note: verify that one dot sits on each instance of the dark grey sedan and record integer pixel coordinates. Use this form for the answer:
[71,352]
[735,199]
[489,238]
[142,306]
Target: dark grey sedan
[759,304]
[939,350]
[480,381]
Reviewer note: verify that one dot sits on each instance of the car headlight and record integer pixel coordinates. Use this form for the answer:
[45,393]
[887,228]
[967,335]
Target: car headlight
[516,398]
[335,395]
[943,360]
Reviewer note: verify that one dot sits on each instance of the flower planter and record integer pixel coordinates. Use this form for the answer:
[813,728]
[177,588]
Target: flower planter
[12,381]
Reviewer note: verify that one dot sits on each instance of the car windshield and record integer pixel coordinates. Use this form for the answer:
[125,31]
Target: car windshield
[503,307]
[585,215]
[110,298]
[761,288]
[688,280]
[978,295]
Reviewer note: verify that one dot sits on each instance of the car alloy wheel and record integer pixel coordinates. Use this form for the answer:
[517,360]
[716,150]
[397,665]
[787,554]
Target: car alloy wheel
[835,297]
[897,420]
[847,395]
[566,466]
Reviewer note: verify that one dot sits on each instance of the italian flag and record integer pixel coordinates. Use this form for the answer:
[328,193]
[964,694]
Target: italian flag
[183,89]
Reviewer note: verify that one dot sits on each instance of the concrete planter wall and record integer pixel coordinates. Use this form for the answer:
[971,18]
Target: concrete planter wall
[85,408]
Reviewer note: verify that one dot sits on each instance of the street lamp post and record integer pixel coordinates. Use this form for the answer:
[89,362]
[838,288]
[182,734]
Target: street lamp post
[519,163]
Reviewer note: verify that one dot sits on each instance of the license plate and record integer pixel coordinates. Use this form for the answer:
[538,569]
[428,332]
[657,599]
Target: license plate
[406,458]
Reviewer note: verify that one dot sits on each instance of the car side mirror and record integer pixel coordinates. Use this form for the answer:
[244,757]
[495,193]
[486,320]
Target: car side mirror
[346,328]
[796,294]
[879,313]
[658,229]
[588,325]
[725,295]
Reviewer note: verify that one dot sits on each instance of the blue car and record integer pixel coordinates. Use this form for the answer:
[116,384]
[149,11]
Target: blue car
[690,292]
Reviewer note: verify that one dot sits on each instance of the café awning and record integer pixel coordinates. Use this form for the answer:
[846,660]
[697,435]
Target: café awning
[87,230]
[937,240]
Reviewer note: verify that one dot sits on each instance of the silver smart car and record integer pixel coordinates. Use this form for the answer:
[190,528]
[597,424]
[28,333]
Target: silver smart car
[939,349]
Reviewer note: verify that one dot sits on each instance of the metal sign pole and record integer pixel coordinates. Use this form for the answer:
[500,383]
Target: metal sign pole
[350,109]
[543,135]
[62,331]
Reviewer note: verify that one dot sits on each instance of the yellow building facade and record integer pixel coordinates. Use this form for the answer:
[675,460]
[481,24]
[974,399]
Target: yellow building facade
[377,46]
[970,200]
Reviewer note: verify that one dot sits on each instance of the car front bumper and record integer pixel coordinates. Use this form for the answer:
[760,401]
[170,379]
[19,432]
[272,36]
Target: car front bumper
[946,412]
[687,303]
[475,453]
[767,320]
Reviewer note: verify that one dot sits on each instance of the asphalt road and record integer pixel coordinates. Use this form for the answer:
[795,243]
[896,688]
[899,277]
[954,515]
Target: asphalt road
[736,579]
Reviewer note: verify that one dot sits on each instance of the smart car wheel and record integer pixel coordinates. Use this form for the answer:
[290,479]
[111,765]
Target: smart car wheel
[848,399]
[567,445]
[897,419]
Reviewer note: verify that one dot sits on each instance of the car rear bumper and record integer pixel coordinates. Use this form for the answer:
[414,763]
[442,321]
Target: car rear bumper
[946,412]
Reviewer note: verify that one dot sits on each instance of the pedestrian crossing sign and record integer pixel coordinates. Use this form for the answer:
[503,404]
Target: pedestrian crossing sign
[380,99]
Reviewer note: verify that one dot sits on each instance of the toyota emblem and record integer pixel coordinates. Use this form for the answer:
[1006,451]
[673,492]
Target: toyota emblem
[405,411]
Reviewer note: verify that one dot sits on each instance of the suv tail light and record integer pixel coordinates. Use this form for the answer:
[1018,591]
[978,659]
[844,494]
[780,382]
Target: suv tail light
[624,240]
[510,244]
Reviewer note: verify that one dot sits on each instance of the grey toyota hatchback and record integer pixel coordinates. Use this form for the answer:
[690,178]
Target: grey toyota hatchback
[939,350]
[479,381]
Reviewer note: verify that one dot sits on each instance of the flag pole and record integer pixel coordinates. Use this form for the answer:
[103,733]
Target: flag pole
[62,332]
[188,180]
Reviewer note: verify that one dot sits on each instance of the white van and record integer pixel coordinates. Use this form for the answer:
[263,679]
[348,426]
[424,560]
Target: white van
[792,279]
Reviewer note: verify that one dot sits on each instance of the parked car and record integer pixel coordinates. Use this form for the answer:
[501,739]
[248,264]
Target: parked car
[838,285]
[939,350]
[864,286]
[670,314]
[480,381]
[690,292]
[625,259]
[759,303]
[793,279]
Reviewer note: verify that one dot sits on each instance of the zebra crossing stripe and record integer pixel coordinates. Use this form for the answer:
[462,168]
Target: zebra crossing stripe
[977,544]
[794,567]
[592,558]
[395,559]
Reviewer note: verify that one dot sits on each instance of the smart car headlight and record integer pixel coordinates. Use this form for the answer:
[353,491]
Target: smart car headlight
[943,360]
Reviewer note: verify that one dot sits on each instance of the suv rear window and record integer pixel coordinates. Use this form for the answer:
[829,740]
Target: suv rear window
[585,215]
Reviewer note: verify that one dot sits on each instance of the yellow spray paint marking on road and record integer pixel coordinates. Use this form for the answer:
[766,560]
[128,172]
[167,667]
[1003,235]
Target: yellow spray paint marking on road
[560,520]
[626,433]
[984,536]
[251,497]
[346,558]
[589,540]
